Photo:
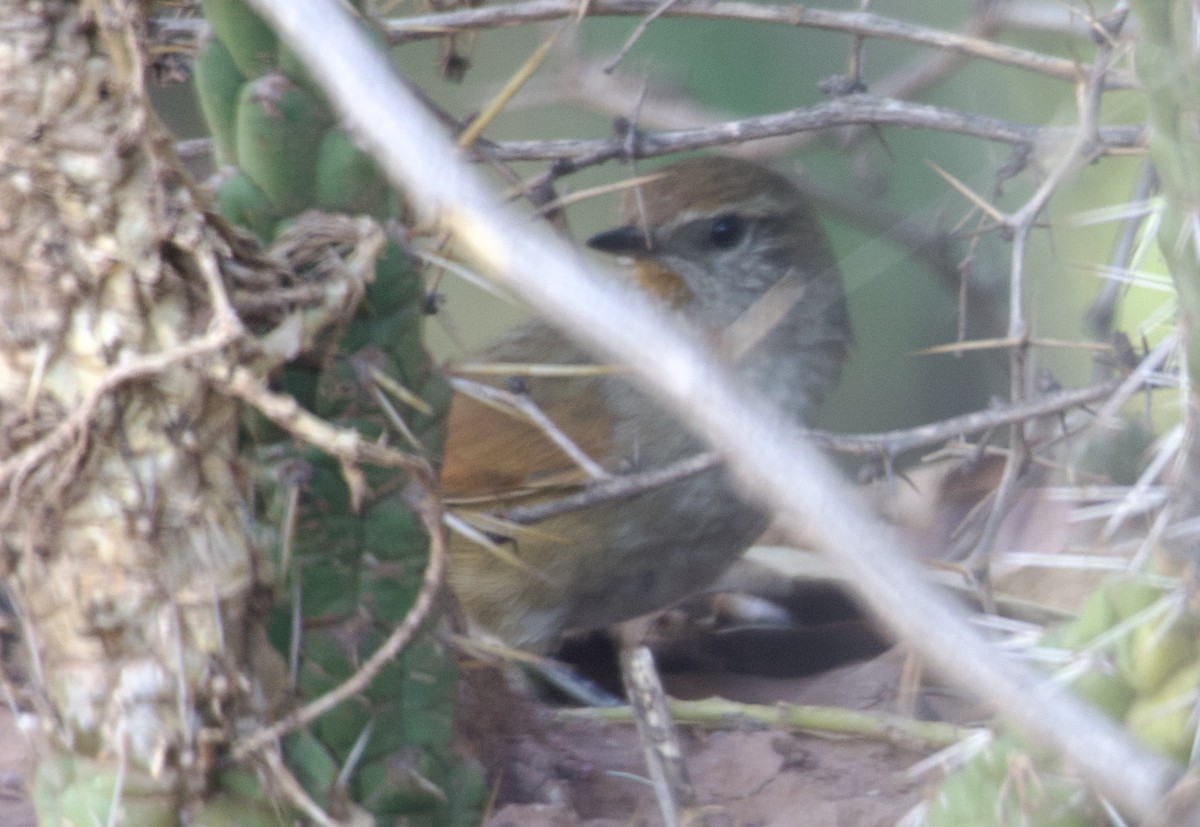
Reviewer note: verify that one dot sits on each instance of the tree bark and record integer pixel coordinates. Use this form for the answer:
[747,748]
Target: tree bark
[122,518]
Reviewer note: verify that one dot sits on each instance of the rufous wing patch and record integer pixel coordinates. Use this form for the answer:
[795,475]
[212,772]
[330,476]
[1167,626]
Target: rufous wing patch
[492,453]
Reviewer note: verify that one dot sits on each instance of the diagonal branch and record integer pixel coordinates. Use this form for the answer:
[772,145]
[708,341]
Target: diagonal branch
[768,455]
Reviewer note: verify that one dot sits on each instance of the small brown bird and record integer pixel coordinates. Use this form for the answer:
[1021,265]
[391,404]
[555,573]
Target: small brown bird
[734,249]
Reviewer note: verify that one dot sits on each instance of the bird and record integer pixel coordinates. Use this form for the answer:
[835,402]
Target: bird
[734,249]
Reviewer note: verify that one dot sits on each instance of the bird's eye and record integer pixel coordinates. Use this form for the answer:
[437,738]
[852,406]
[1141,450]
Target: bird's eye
[727,231]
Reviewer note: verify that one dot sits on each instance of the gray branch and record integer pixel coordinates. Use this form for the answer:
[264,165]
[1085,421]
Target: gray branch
[851,110]
[860,24]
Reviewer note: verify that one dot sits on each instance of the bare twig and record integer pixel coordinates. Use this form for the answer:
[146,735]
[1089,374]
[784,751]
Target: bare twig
[888,444]
[1083,150]
[660,743]
[853,23]
[657,12]
[613,488]
[924,72]
[296,793]
[582,80]
[347,445]
[892,443]
[850,110]
[718,713]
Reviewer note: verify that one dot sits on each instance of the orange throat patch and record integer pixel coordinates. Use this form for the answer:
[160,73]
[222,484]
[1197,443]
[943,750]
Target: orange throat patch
[662,282]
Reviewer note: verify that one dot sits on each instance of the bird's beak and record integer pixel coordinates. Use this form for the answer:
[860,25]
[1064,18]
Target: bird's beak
[621,241]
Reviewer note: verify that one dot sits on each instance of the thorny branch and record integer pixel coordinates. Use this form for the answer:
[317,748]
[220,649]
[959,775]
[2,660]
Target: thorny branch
[346,445]
[850,110]
[574,154]
[1083,150]
[889,444]
[860,24]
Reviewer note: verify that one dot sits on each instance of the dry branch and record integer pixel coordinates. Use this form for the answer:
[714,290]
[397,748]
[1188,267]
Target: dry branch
[887,445]
[850,110]
[860,24]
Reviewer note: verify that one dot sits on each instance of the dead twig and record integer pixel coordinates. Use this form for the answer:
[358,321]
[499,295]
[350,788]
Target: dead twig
[345,444]
[859,24]
[1082,150]
[850,110]
[887,444]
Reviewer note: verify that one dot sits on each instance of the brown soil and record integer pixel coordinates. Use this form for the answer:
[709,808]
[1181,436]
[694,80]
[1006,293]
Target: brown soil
[552,773]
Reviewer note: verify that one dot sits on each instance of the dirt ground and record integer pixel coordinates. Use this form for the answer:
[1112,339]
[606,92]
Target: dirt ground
[752,778]
[557,773]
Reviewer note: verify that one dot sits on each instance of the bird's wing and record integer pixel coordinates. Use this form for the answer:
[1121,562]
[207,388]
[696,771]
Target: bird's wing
[499,455]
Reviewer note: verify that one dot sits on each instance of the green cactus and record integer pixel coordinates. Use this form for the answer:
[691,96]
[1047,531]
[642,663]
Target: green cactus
[279,132]
[1005,786]
[355,572]
[1143,669]
[218,84]
[348,180]
[242,202]
[251,42]
[1166,67]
